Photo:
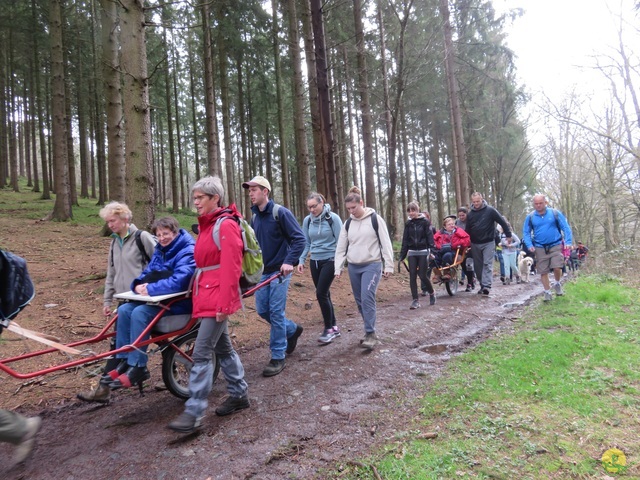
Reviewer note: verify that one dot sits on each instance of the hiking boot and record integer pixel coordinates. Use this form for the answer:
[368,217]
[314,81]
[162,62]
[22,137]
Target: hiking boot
[292,341]
[485,291]
[327,336]
[547,296]
[232,405]
[185,423]
[100,394]
[133,376]
[558,288]
[432,299]
[414,305]
[370,340]
[25,447]
[274,367]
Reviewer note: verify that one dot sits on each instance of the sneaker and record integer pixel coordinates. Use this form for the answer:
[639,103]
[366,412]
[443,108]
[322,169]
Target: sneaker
[370,340]
[292,341]
[336,331]
[274,367]
[327,336]
[518,279]
[432,299]
[185,423]
[547,296]
[469,288]
[558,288]
[232,405]
[414,305]
[424,293]
[100,394]
[25,447]
[485,291]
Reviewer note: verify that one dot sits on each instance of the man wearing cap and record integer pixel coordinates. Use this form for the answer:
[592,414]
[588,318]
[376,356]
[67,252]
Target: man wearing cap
[481,227]
[282,242]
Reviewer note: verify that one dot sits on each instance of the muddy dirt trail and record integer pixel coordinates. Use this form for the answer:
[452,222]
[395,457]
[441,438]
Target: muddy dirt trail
[330,405]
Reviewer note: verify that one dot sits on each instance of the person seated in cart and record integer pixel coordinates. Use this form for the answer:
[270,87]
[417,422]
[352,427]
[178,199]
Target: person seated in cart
[130,252]
[448,240]
[169,271]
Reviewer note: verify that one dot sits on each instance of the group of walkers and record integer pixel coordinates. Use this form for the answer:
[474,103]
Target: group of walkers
[171,261]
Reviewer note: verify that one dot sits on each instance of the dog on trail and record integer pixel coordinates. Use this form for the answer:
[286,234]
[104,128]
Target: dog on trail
[524,265]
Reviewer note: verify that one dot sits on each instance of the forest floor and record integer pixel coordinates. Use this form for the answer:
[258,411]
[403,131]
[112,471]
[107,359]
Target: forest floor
[332,404]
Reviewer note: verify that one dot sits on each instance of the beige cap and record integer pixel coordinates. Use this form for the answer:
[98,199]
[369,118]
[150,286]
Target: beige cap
[257,181]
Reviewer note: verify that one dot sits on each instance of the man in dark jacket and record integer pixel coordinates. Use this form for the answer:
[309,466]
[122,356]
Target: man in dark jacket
[481,227]
[282,242]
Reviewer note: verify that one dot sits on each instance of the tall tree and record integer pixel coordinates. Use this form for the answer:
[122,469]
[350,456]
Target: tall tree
[139,165]
[62,207]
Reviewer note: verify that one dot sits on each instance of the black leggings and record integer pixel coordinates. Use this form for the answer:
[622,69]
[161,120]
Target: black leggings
[418,266]
[322,272]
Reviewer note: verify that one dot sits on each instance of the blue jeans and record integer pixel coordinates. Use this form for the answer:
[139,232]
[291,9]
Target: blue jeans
[364,283]
[133,318]
[213,337]
[271,302]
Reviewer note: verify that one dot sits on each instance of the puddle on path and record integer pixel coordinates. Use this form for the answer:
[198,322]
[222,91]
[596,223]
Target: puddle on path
[435,349]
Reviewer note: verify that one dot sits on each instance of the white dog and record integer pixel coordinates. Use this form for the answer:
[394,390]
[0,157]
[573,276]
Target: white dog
[524,265]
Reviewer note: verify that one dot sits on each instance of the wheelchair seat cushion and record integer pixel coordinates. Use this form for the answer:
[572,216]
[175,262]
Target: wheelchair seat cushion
[172,323]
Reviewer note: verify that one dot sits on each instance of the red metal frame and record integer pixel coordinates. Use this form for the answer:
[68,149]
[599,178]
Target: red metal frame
[103,335]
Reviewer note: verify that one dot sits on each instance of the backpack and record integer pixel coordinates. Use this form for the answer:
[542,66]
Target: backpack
[16,287]
[555,216]
[143,251]
[276,217]
[329,220]
[252,265]
[374,224]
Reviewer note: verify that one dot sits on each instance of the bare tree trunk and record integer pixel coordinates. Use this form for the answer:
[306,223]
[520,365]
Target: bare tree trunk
[244,169]
[300,132]
[139,166]
[328,148]
[460,157]
[210,101]
[286,194]
[365,108]
[194,119]
[32,123]
[226,103]
[183,175]
[350,119]
[62,207]
[175,201]
[316,128]
[13,135]
[113,99]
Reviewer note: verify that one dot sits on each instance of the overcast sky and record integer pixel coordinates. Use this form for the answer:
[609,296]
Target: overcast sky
[555,39]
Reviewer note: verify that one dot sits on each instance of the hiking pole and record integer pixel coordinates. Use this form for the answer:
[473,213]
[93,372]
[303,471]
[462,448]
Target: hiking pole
[251,291]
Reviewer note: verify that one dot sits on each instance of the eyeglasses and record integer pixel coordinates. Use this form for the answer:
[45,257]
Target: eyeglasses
[312,207]
[198,198]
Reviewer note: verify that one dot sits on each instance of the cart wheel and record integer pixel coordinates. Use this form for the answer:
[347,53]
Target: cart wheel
[452,284]
[176,367]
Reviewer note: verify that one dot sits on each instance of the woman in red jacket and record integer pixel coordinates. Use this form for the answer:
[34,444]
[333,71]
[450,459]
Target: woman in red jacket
[216,295]
[448,240]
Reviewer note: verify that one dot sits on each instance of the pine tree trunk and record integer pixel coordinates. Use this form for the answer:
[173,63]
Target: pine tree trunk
[62,207]
[300,132]
[139,166]
[365,107]
[210,102]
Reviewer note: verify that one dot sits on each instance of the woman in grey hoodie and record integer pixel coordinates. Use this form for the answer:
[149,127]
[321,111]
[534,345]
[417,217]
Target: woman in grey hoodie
[321,229]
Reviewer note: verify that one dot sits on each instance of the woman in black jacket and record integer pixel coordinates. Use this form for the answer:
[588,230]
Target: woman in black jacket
[416,242]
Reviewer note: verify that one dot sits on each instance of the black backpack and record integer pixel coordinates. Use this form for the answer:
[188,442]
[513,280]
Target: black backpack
[374,224]
[138,240]
[16,287]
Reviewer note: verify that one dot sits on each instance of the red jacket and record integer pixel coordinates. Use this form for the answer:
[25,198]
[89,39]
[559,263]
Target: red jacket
[217,290]
[458,238]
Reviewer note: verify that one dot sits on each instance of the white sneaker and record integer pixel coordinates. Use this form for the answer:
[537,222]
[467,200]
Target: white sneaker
[547,296]
[558,288]
[25,447]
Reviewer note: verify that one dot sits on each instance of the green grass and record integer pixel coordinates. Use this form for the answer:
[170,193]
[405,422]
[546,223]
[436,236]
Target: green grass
[30,205]
[543,402]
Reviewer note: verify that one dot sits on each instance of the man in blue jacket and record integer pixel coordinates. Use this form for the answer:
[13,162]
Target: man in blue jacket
[543,232]
[282,242]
